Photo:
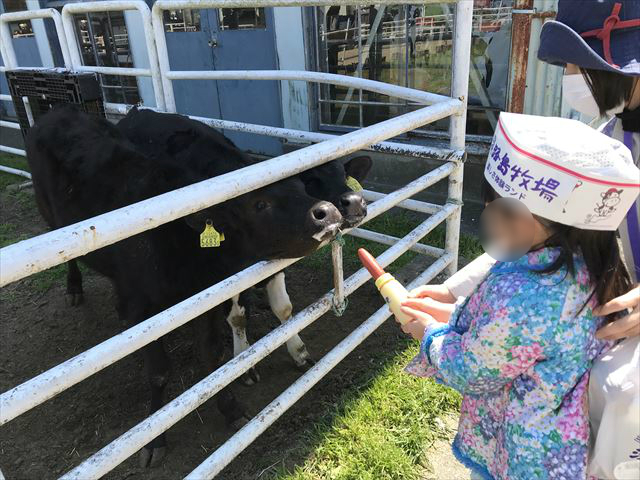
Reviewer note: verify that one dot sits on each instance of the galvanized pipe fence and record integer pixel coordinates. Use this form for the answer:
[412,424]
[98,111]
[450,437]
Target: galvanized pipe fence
[30,256]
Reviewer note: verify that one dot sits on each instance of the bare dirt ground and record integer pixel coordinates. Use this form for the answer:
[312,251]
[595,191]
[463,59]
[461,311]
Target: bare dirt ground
[38,330]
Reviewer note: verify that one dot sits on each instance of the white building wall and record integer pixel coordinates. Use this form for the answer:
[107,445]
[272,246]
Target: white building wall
[140,56]
[40,33]
[290,47]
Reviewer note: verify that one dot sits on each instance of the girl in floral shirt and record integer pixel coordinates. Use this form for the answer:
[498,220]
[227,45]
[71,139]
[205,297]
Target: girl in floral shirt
[519,349]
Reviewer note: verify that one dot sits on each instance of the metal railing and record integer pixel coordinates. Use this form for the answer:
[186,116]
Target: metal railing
[6,46]
[427,27]
[66,34]
[10,63]
[71,9]
[36,254]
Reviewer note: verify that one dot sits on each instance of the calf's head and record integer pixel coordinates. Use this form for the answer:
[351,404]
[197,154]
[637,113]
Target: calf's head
[280,220]
[277,221]
[329,182]
[175,135]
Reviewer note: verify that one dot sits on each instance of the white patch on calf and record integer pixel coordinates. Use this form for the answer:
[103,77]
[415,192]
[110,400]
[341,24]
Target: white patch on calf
[327,233]
[281,307]
[279,300]
[238,323]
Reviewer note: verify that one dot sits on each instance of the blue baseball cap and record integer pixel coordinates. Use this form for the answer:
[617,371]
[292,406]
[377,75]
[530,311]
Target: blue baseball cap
[595,34]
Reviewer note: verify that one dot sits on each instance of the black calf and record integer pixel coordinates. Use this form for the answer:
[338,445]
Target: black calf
[151,132]
[82,166]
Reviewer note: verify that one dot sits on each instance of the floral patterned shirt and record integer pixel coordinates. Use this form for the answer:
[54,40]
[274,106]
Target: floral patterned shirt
[519,349]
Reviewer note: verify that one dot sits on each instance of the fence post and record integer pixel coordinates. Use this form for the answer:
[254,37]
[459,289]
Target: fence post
[459,89]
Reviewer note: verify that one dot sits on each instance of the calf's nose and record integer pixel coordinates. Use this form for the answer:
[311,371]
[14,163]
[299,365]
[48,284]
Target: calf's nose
[352,205]
[323,214]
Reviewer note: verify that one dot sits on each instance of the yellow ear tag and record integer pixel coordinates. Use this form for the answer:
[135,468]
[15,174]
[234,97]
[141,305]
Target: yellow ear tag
[354,184]
[210,237]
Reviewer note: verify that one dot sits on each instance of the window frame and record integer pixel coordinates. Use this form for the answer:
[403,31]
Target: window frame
[312,40]
[31,33]
[107,87]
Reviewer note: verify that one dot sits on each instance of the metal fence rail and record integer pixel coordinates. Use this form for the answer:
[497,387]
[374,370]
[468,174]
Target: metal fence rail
[12,125]
[11,63]
[133,440]
[36,254]
[141,7]
[303,136]
[39,253]
[72,59]
[15,171]
[14,151]
[269,414]
[6,44]
[50,383]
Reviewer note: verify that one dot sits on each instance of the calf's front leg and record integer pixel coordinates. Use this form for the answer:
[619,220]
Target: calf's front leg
[281,307]
[74,294]
[237,320]
[158,366]
[209,331]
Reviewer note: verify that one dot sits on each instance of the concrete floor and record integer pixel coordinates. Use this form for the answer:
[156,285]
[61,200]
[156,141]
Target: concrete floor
[443,463]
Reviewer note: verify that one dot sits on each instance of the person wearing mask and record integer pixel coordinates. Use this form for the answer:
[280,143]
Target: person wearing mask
[598,44]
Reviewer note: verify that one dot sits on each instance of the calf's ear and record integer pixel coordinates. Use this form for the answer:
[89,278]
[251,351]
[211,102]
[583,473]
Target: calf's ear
[197,221]
[358,167]
[180,141]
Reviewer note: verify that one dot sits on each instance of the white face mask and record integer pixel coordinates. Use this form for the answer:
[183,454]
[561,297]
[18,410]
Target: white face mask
[577,94]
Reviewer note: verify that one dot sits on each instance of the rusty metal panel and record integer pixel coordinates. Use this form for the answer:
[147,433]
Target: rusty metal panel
[521,33]
[543,86]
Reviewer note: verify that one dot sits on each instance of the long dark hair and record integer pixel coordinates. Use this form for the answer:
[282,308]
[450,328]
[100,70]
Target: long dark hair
[609,89]
[600,250]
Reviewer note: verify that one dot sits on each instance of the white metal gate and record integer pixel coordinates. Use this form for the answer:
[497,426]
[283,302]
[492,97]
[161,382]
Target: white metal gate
[30,256]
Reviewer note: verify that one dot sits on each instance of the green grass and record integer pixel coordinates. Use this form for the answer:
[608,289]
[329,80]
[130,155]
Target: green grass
[9,234]
[396,224]
[41,281]
[12,161]
[382,427]
[379,432]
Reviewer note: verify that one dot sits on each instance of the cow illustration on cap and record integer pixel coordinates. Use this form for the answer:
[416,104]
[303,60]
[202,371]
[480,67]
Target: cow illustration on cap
[608,205]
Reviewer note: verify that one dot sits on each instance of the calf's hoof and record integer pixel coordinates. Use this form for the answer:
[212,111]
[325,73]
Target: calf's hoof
[238,423]
[74,299]
[305,364]
[152,456]
[251,377]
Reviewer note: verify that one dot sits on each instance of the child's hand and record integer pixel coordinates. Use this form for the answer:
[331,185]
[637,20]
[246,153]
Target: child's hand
[439,293]
[420,321]
[438,311]
[415,328]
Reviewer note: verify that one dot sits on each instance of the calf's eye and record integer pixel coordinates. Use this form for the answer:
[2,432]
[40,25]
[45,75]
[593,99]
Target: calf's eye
[261,205]
[312,183]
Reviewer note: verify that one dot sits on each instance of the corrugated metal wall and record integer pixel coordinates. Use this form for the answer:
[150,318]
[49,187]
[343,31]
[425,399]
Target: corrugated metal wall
[543,91]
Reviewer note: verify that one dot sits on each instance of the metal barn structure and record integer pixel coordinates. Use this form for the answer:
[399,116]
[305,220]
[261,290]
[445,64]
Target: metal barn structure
[406,45]
[30,256]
